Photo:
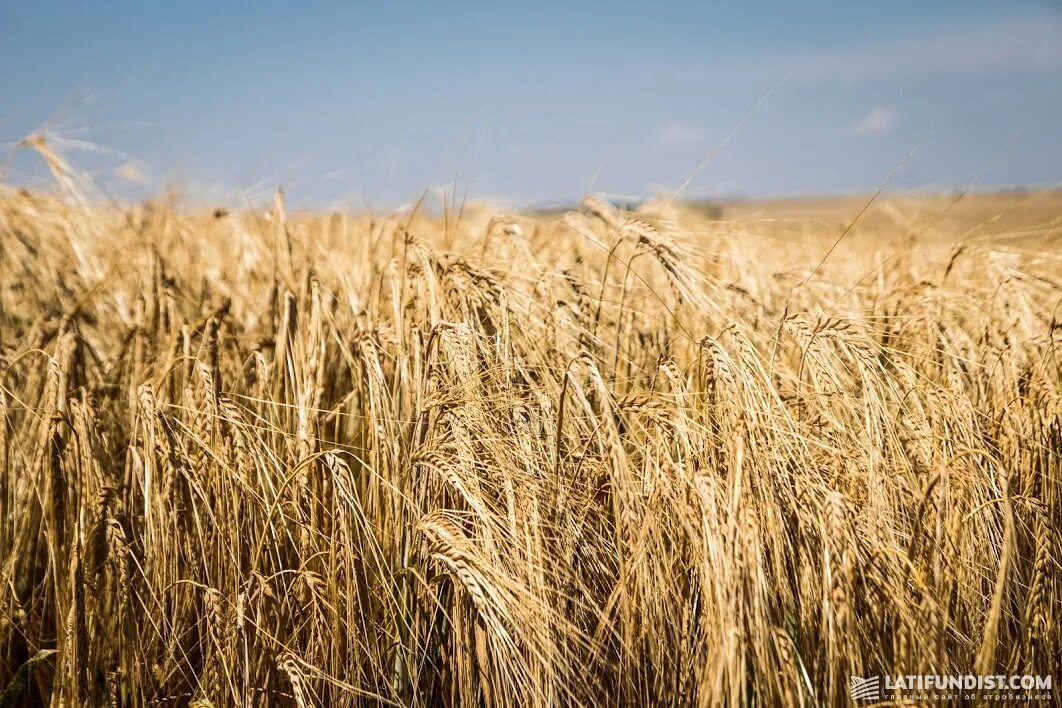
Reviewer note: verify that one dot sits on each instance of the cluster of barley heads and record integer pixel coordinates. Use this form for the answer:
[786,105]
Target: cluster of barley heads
[604,459]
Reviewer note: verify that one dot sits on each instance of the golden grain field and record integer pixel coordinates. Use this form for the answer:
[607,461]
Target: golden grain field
[461,458]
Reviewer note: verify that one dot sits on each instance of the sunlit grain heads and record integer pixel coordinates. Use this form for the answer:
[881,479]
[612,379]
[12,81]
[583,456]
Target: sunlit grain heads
[501,460]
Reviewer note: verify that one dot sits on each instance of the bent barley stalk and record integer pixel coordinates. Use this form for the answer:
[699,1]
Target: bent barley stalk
[605,459]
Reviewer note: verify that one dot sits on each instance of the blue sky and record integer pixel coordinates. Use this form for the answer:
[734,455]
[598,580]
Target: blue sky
[530,102]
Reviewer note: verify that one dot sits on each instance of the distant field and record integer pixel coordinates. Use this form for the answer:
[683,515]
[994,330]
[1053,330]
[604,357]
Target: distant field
[983,213]
[479,459]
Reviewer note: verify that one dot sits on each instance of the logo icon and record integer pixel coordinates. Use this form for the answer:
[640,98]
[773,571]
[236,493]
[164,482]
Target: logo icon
[866,689]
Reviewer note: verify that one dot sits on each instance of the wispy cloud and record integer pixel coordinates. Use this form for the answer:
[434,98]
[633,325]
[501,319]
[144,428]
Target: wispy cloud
[1025,43]
[677,133]
[879,121]
[1033,43]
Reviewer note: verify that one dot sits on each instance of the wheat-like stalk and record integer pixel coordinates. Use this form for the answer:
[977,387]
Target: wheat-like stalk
[480,459]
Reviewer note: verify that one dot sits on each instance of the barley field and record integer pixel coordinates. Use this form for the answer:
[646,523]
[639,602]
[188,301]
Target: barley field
[451,457]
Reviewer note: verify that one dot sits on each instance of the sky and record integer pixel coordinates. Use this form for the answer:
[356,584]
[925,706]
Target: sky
[359,105]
